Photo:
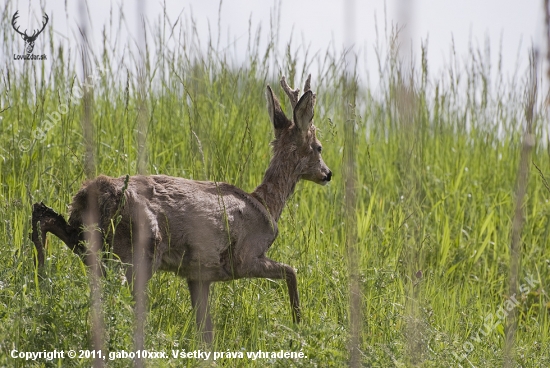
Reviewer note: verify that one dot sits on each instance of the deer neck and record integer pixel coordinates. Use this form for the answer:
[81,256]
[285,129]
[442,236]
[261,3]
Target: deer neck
[277,186]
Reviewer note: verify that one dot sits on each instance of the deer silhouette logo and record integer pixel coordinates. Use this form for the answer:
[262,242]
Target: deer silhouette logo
[29,39]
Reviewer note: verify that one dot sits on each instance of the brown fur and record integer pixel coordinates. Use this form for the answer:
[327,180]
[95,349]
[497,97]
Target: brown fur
[203,231]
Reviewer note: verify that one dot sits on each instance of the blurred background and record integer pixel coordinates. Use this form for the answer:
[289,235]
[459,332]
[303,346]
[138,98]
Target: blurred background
[500,31]
[433,117]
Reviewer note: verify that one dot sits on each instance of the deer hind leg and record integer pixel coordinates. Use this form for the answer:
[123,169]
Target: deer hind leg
[44,220]
[264,267]
[199,290]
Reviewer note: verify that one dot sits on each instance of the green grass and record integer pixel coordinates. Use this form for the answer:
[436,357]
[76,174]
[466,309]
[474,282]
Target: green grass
[435,193]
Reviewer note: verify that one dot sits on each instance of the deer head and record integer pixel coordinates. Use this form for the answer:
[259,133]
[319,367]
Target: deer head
[295,139]
[29,40]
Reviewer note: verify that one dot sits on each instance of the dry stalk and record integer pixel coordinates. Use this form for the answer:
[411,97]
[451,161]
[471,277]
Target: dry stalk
[518,219]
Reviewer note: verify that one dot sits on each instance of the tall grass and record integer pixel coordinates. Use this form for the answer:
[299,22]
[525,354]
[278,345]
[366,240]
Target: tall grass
[436,164]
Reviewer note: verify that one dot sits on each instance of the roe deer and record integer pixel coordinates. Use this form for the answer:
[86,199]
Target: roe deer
[202,231]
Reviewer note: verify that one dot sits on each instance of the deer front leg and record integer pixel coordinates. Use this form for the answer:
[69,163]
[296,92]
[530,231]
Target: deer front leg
[264,267]
[199,300]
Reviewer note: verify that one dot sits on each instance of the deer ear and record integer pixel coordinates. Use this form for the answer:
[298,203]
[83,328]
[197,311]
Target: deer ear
[276,114]
[303,112]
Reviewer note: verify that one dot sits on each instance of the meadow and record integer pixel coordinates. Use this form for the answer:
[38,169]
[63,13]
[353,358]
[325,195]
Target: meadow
[435,158]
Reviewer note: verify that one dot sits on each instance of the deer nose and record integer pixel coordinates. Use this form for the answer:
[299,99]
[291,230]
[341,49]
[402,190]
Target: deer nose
[329,175]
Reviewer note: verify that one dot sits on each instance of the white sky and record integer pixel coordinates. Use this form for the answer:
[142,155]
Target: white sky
[318,22]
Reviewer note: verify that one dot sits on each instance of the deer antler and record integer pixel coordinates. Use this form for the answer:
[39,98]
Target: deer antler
[35,34]
[13,21]
[307,85]
[46,18]
[294,94]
